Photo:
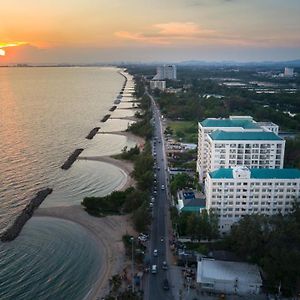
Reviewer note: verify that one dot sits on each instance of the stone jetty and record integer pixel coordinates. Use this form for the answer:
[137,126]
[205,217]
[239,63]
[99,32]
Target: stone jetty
[71,159]
[15,228]
[92,133]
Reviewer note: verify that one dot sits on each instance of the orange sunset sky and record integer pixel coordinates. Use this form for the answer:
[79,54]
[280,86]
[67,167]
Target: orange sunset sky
[87,31]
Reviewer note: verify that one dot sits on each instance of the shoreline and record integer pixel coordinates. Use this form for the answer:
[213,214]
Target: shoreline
[107,231]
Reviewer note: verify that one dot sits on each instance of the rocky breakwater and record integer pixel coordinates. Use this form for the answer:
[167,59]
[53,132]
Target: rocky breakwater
[71,159]
[92,133]
[15,228]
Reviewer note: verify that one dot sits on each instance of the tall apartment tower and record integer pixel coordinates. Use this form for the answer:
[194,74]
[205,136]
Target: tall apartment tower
[238,140]
[166,72]
[288,72]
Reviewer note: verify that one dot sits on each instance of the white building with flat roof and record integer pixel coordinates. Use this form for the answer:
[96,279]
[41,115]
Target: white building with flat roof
[227,149]
[288,72]
[158,84]
[228,277]
[231,124]
[233,193]
[166,72]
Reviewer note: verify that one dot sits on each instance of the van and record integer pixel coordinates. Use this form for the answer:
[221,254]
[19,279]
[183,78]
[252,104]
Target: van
[154,269]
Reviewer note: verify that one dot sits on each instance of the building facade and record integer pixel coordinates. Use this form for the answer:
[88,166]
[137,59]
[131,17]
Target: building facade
[157,84]
[166,72]
[233,193]
[251,149]
[233,123]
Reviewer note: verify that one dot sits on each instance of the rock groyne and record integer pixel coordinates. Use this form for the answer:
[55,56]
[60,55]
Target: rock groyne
[92,133]
[71,159]
[105,118]
[13,231]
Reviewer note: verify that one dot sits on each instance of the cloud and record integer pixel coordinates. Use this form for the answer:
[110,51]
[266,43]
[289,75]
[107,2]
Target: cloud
[167,33]
[12,44]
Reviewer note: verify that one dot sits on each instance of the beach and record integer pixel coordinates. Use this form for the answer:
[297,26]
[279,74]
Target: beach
[107,232]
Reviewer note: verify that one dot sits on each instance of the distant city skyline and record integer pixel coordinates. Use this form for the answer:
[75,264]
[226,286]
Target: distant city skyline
[137,30]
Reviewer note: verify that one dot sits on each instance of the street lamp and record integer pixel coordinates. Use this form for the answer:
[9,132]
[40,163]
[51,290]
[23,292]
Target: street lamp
[132,264]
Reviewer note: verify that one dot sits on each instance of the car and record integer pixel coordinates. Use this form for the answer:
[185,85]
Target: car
[166,285]
[155,252]
[154,269]
[164,265]
[161,238]
[162,187]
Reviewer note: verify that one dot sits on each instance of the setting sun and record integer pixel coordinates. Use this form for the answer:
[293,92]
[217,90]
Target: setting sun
[2,52]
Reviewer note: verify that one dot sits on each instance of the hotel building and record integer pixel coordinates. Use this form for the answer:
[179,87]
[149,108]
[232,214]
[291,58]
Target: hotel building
[238,140]
[235,192]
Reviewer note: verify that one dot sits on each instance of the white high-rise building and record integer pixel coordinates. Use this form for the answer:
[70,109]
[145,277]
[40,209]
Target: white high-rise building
[288,72]
[233,193]
[166,72]
[228,149]
[232,124]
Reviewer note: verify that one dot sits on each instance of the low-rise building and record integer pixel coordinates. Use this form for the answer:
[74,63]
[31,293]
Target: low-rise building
[233,193]
[228,277]
[157,84]
[189,201]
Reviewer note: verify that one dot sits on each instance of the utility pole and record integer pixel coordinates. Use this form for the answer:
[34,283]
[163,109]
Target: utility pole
[132,265]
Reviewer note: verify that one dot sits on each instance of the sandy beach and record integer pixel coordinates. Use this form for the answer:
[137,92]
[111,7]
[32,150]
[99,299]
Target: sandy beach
[123,165]
[107,232]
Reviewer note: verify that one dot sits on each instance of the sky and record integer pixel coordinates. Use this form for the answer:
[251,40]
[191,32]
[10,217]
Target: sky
[90,31]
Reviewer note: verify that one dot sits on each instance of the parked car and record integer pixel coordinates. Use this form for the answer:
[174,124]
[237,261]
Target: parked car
[166,284]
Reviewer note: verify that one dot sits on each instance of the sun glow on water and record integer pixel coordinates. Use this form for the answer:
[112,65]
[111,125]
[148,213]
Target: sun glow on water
[2,52]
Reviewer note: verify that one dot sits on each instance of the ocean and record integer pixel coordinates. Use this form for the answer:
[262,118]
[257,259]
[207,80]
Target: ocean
[45,114]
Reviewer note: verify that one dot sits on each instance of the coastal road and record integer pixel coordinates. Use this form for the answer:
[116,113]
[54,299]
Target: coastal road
[159,239]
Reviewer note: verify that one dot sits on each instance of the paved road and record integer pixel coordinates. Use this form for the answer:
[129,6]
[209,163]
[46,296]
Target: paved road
[154,282]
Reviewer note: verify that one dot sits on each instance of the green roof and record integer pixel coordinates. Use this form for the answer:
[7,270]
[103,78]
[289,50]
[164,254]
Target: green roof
[219,135]
[194,205]
[244,123]
[259,173]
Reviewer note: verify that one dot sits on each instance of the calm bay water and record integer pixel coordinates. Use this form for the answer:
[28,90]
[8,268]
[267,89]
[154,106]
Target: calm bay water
[45,113]
[51,259]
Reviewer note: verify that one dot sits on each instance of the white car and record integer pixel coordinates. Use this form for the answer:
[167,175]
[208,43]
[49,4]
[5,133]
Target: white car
[162,187]
[154,269]
[155,252]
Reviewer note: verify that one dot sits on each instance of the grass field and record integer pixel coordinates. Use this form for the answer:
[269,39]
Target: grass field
[185,131]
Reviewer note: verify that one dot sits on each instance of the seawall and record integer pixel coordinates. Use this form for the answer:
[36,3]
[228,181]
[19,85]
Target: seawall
[13,231]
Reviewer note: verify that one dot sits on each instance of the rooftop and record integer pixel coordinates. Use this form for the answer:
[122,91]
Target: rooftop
[239,123]
[211,270]
[219,135]
[259,173]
